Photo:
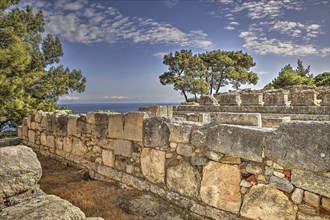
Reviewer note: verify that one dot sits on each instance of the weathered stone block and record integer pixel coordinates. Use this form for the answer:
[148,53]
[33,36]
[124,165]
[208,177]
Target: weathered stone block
[180,133]
[251,98]
[158,111]
[116,126]
[303,97]
[123,148]
[281,183]
[156,133]
[20,169]
[198,138]
[230,98]
[273,122]
[266,202]
[184,150]
[199,160]
[208,100]
[43,138]
[220,186]
[108,158]
[32,136]
[133,126]
[50,139]
[297,195]
[276,98]
[109,172]
[59,143]
[237,141]
[153,165]
[61,125]
[312,199]
[325,98]
[184,179]
[311,181]
[301,145]
[72,125]
[38,116]
[82,125]
[20,132]
[325,203]
[78,147]
[67,144]
[248,119]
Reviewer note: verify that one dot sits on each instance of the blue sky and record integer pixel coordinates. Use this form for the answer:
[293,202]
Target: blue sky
[119,44]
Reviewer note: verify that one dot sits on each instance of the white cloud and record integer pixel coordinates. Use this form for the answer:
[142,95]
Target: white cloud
[230,28]
[114,98]
[296,29]
[234,23]
[226,1]
[171,3]
[160,54]
[97,23]
[263,45]
[69,98]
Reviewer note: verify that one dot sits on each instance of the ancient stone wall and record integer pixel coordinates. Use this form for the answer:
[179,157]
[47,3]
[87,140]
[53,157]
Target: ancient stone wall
[215,170]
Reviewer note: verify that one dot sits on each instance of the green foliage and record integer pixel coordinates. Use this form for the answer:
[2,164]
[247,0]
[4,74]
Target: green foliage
[206,73]
[29,77]
[289,77]
[322,79]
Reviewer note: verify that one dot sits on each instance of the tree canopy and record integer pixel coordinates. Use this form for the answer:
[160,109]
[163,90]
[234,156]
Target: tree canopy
[30,77]
[299,76]
[207,72]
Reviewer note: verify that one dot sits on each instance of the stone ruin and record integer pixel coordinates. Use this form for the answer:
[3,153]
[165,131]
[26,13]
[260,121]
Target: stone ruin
[219,165]
[20,195]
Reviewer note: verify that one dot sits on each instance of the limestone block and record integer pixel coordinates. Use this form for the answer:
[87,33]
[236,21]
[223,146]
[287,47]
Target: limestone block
[303,97]
[43,138]
[273,122]
[156,133]
[325,98]
[281,183]
[123,148]
[20,132]
[50,139]
[325,203]
[220,186]
[19,170]
[199,160]
[38,116]
[297,195]
[25,132]
[180,133]
[99,123]
[72,125]
[311,181]
[208,100]
[108,158]
[133,126]
[153,165]
[276,98]
[116,126]
[67,144]
[251,98]
[184,179]
[238,141]
[312,199]
[32,136]
[303,216]
[198,138]
[248,119]
[158,111]
[82,125]
[230,98]
[59,143]
[109,172]
[184,150]
[78,147]
[266,202]
[301,145]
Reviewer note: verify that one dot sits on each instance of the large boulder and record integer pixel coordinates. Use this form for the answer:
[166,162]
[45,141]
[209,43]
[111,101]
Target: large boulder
[267,202]
[20,170]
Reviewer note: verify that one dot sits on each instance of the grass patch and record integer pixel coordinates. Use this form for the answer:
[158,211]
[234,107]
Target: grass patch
[7,134]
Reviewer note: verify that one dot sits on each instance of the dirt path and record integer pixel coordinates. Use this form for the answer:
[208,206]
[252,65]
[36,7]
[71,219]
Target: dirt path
[101,199]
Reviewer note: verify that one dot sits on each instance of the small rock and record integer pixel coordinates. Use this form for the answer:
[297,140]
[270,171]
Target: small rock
[231,160]
[245,183]
[244,190]
[269,163]
[129,168]
[168,155]
[269,171]
[281,183]
[261,179]
[252,179]
[287,174]
[307,209]
[184,150]
[297,195]
[199,160]
[213,156]
[279,174]
[173,145]
[253,168]
[244,173]
[325,203]
[277,166]
[312,199]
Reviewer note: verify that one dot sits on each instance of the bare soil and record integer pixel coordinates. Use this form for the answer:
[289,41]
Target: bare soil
[103,199]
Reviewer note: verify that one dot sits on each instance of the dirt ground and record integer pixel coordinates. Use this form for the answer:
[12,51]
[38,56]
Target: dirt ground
[102,199]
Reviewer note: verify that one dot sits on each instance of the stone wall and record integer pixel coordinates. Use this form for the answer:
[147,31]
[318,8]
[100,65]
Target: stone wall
[215,170]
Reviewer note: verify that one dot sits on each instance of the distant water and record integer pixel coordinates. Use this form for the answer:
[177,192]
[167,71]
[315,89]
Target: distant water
[83,108]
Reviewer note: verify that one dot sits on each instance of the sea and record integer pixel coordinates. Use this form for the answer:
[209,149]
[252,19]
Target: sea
[82,108]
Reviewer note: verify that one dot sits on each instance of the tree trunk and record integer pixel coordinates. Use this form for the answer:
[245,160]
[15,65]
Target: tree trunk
[185,96]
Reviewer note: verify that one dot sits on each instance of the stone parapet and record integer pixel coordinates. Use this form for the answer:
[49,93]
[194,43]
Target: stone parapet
[215,170]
